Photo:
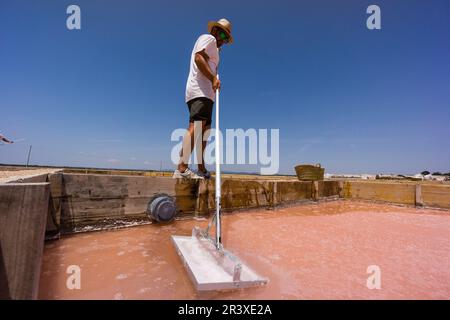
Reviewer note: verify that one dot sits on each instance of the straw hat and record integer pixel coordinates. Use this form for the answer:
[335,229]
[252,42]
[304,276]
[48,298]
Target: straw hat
[223,24]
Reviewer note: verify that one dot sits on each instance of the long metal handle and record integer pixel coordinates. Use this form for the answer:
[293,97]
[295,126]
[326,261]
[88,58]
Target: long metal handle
[218,184]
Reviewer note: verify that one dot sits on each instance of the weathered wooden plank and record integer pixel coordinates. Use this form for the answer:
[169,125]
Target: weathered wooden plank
[4,286]
[23,216]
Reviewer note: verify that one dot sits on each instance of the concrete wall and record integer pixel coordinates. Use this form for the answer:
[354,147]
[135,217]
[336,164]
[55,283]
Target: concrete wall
[390,192]
[54,206]
[33,179]
[432,195]
[78,200]
[68,201]
[89,199]
[236,194]
[329,189]
[436,195]
[291,191]
[23,216]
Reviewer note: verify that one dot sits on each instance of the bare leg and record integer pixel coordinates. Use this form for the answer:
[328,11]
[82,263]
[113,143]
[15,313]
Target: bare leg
[205,131]
[188,144]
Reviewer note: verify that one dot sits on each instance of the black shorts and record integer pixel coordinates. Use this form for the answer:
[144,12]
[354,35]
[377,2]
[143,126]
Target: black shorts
[200,109]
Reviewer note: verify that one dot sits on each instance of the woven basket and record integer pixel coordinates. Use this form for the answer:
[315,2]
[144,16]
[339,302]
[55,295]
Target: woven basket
[308,172]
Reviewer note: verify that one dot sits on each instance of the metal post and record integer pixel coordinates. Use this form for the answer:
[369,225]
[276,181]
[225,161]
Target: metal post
[29,152]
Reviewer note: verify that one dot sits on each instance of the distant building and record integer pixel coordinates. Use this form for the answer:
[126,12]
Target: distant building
[416,177]
[349,176]
[430,177]
[368,176]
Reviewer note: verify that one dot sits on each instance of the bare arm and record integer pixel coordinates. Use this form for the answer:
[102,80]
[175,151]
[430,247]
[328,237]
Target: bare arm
[201,60]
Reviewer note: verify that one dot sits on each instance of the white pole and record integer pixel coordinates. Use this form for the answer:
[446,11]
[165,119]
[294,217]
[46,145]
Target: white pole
[218,184]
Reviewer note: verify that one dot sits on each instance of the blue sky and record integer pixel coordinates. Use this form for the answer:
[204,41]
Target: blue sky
[110,94]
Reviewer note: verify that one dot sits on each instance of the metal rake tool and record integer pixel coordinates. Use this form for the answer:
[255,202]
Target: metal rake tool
[208,264]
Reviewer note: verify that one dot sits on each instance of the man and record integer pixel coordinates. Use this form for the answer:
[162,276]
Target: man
[200,93]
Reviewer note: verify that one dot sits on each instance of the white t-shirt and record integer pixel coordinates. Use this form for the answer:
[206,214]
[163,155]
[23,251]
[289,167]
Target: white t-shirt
[197,84]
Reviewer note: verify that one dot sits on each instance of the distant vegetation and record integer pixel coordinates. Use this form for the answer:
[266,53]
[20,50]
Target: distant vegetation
[435,173]
[441,174]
